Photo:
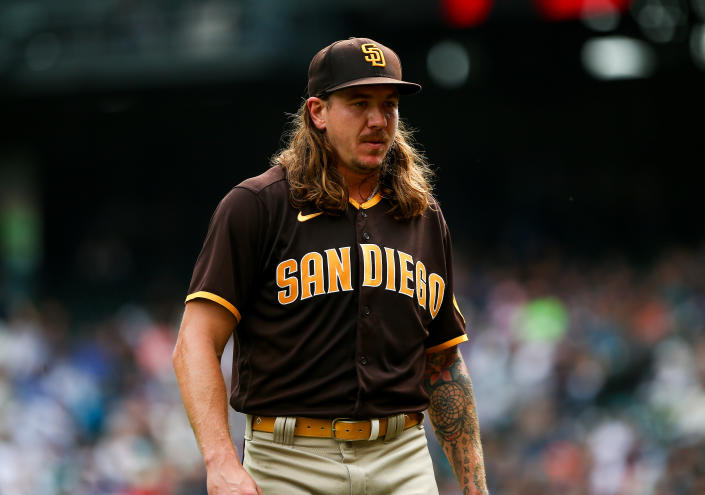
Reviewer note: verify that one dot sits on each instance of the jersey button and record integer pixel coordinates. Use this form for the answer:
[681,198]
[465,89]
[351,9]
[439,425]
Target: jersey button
[366,311]
[363,360]
[363,213]
[366,236]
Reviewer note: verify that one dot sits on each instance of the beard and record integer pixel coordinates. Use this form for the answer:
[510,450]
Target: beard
[382,167]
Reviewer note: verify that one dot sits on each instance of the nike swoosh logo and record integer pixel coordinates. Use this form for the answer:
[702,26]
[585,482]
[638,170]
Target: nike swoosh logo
[306,218]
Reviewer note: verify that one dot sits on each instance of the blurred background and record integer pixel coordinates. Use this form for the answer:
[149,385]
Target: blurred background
[567,136]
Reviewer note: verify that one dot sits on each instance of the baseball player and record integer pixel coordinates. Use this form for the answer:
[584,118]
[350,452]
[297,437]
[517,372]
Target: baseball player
[334,270]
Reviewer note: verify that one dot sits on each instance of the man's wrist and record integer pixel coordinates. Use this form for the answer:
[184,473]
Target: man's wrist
[220,456]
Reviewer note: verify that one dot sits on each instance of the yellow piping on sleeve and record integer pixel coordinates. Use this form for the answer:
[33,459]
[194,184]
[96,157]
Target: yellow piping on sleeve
[446,345]
[455,303]
[217,299]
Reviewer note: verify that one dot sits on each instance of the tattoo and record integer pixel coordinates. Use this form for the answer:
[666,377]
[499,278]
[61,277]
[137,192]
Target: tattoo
[448,405]
[454,418]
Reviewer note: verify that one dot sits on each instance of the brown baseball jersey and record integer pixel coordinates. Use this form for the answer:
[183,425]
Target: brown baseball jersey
[335,313]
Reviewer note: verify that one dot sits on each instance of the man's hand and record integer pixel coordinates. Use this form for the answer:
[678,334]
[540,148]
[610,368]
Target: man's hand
[228,477]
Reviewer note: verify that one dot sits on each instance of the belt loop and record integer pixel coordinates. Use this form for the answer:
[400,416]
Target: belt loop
[395,425]
[374,429]
[248,426]
[289,430]
[284,430]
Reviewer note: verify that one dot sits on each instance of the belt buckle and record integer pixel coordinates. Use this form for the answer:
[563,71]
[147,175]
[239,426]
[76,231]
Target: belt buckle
[332,425]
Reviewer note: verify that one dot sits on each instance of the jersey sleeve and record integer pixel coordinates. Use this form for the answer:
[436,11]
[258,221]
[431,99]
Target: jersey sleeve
[231,253]
[448,328]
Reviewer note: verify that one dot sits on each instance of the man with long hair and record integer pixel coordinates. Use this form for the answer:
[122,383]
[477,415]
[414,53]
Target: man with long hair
[334,270]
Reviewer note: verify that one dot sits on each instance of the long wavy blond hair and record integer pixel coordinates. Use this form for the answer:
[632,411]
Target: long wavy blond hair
[309,162]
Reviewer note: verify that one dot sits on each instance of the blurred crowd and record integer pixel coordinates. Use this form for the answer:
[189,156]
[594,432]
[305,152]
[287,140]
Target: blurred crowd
[589,378]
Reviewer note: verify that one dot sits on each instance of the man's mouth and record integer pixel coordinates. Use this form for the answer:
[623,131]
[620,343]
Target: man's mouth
[374,145]
[375,142]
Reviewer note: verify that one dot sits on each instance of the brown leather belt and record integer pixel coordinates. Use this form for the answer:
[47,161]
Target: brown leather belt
[339,429]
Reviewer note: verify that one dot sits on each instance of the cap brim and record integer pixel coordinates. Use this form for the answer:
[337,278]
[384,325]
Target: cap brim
[405,88]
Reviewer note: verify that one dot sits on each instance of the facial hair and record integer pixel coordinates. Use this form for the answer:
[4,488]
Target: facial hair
[383,167]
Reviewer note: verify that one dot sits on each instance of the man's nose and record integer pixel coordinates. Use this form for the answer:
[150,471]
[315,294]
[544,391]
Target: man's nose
[376,117]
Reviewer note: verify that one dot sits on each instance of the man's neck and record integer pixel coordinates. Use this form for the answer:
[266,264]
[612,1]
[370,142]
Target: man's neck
[361,186]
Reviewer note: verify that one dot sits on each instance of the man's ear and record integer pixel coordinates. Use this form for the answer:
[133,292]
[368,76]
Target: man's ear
[317,110]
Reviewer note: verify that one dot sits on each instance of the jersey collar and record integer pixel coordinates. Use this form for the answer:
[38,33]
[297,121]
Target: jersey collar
[367,204]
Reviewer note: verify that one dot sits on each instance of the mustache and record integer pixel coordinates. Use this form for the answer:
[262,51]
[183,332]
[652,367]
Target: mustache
[376,136]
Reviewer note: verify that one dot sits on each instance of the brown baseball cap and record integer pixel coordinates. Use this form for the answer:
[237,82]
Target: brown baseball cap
[356,62]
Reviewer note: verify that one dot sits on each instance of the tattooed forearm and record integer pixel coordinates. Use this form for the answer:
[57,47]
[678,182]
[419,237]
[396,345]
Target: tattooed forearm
[454,418]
